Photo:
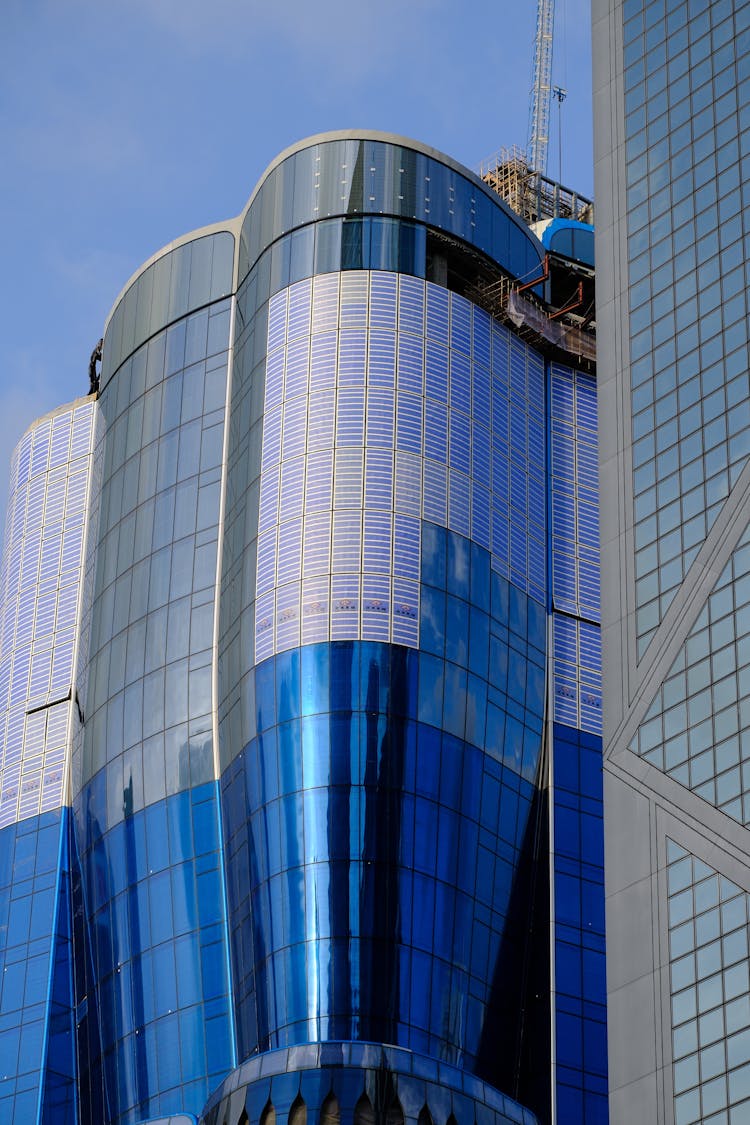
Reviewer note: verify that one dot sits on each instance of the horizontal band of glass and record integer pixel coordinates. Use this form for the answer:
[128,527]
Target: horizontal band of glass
[350,177]
[185,279]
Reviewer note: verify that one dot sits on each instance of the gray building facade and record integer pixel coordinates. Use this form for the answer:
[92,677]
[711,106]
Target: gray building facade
[672,137]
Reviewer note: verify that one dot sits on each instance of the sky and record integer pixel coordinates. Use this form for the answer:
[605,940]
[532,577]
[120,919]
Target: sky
[127,123]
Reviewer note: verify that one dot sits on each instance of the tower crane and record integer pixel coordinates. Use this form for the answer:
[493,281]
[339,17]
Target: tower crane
[540,92]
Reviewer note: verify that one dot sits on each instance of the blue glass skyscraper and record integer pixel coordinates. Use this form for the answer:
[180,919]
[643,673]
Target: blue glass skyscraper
[333,744]
[41,585]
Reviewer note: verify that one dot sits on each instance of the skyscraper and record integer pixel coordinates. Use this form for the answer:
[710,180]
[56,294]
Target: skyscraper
[40,593]
[671,143]
[333,723]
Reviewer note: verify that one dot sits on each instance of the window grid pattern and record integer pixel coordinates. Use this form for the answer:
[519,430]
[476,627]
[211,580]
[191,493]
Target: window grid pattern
[376,178]
[147,695]
[580,993]
[485,643]
[157,949]
[187,278]
[574,501]
[379,777]
[389,400]
[687,105]
[577,651]
[575,493]
[37,1052]
[580,988]
[40,581]
[710,991]
[697,729]
[145,799]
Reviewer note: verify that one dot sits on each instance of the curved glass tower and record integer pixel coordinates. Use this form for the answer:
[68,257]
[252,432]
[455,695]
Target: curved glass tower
[378,561]
[340,520]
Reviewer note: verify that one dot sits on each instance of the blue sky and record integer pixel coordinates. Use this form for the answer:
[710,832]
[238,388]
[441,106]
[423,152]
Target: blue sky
[126,123]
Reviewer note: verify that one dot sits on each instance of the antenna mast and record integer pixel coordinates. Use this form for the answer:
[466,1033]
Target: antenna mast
[540,91]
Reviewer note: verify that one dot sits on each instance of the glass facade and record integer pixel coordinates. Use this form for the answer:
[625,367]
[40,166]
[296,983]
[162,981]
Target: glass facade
[388,402]
[710,991]
[158,998]
[687,132]
[190,277]
[391,820]
[578,946]
[359,1082]
[40,595]
[327,832]
[36,1002]
[146,812]
[696,729]
[355,176]
[147,695]
[672,125]
[40,591]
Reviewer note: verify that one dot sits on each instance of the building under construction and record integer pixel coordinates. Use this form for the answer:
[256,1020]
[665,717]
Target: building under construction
[531,194]
[554,310]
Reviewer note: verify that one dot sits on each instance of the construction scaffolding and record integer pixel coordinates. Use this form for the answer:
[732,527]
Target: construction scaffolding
[530,194]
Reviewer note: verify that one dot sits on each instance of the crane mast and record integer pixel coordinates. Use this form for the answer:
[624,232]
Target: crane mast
[520,176]
[540,92]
